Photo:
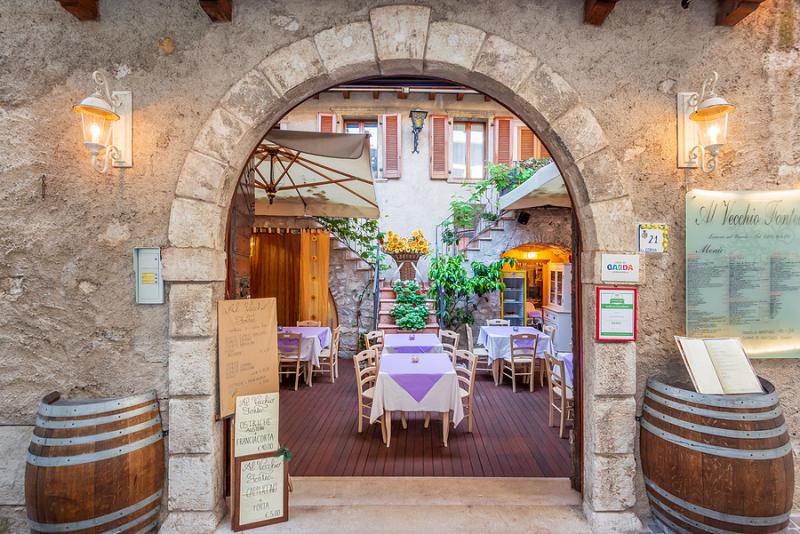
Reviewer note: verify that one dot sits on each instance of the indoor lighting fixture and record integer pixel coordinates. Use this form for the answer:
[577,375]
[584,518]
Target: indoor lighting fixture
[106,124]
[702,126]
[531,255]
[417,122]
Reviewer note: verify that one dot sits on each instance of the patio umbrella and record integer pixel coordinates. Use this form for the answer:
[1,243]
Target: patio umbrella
[314,174]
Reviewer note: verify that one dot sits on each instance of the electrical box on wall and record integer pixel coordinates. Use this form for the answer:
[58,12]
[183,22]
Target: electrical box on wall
[147,269]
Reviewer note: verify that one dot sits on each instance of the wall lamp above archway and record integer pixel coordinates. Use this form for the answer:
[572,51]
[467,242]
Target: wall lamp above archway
[107,125]
[417,122]
[702,126]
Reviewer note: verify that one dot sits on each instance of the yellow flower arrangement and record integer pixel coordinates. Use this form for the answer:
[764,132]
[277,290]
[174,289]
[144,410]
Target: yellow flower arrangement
[414,244]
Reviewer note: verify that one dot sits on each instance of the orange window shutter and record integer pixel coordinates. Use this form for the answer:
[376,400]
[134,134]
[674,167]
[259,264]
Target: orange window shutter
[391,145]
[502,141]
[527,144]
[438,148]
[326,122]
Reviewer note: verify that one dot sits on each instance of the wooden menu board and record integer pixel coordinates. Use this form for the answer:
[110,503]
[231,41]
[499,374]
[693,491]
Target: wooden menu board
[260,495]
[248,350]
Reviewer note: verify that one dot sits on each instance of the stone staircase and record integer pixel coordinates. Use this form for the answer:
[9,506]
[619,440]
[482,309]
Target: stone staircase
[387,323]
[487,237]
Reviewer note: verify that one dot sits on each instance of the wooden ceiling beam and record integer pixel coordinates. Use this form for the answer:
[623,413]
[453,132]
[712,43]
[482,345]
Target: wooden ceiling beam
[346,95]
[376,95]
[431,96]
[731,12]
[218,10]
[81,9]
[596,11]
[459,97]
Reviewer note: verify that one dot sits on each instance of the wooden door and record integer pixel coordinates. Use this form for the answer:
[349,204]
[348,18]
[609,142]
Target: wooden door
[240,226]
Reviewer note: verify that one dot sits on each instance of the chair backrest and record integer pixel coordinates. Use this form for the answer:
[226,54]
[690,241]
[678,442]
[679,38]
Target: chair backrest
[449,349]
[309,323]
[366,370]
[470,340]
[498,322]
[337,336]
[524,346]
[289,345]
[550,330]
[555,373]
[466,367]
[373,338]
[448,336]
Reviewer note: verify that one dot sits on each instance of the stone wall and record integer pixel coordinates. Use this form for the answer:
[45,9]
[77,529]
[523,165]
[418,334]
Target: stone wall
[602,99]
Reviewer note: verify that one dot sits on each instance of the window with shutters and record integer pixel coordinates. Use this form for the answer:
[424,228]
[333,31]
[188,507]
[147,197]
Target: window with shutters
[439,148]
[391,145]
[503,146]
[326,122]
[529,146]
[366,127]
[469,150]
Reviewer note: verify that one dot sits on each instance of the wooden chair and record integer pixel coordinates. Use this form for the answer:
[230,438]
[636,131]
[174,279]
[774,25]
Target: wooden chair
[523,356]
[366,379]
[561,395]
[289,356]
[498,322]
[448,336]
[549,330]
[329,358]
[450,350]
[309,323]
[466,365]
[481,353]
[374,339]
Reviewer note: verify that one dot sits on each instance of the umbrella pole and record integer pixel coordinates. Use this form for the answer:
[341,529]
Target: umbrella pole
[376,291]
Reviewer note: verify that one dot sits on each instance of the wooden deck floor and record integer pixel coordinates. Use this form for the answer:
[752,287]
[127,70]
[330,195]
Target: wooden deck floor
[510,436]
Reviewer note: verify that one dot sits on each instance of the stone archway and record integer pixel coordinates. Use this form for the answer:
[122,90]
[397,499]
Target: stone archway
[395,40]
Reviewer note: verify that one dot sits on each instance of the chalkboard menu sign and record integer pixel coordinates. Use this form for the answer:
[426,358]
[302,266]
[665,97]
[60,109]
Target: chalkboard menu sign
[248,350]
[743,269]
[261,487]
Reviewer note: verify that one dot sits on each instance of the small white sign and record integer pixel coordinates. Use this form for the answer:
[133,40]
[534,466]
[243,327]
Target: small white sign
[256,424]
[620,268]
[653,238]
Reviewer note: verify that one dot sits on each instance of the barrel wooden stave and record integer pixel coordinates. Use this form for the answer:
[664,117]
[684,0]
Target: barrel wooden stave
[117,479]
[696,491]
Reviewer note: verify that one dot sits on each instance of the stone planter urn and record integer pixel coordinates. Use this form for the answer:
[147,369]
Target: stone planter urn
[407,262]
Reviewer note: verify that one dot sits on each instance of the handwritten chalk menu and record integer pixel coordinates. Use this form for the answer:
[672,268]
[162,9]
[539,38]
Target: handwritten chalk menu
[261,496]
[256,424]
[248,350]
[743,269]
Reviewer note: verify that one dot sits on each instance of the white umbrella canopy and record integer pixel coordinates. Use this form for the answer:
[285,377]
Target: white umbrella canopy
[545,188]
[314,174]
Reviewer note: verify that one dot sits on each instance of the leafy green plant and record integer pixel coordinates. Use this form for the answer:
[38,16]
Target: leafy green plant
[410,311]
[460,289]
[359,234]
[409,292]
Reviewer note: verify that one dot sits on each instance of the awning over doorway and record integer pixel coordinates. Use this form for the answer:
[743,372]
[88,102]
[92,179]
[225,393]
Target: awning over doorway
[314,174]
[545,188]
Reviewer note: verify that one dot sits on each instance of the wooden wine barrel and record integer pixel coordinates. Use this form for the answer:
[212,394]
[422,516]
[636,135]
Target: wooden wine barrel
[95,466]
[716,463]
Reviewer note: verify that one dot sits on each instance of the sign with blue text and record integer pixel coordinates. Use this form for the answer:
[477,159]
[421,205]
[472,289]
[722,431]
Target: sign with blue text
[620,268]
[743,269]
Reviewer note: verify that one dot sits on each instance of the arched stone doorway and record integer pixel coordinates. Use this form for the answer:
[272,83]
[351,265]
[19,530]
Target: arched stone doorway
[395,40]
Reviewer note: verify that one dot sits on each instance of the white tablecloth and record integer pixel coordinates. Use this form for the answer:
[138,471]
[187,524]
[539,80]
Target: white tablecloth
[397,369]
[310,346]
[497,340]
[566,357]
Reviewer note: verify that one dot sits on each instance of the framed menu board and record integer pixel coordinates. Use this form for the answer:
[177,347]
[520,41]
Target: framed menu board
[743,269]
[248,350]
[261,495]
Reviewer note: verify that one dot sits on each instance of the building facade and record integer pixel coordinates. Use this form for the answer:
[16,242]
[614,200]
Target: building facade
[601,99]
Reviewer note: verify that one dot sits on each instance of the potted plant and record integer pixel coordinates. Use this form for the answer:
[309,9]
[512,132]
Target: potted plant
[406,251]
[410,311]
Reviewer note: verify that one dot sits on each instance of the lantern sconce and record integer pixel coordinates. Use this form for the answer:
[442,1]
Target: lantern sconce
[702,126]
[417,122]
[107,125]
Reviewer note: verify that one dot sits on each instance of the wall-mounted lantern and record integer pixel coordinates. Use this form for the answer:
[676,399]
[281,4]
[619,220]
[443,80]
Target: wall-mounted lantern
[702,126]
[417,122]
[107,125]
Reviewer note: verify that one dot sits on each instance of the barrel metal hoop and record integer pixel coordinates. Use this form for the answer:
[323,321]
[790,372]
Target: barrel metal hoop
[60,461]
[731,416]
[68,410]
[713,514]
[716,450]
[667,524]
[747,400]
[89,523]
[686,519]
[715,431]
[78,423]
[135,521]
[148,528]
[94,438]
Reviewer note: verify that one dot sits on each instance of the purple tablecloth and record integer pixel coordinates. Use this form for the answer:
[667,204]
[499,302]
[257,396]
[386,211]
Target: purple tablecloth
[416,378]
[403,344]
[307,331]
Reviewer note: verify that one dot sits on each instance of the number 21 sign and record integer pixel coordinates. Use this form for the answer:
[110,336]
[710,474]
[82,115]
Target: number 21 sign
[653,238]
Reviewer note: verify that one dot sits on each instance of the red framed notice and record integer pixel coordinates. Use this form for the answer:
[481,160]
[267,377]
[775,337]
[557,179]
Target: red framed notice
[616,313]
[261,491]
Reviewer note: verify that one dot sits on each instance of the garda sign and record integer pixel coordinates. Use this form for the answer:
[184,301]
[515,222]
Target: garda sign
[620,268]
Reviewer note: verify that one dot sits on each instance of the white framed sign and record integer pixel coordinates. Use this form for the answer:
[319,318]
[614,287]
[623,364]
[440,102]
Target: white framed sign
[620,268]
[260,491]
[653,238]
[256,424]
[616,314]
